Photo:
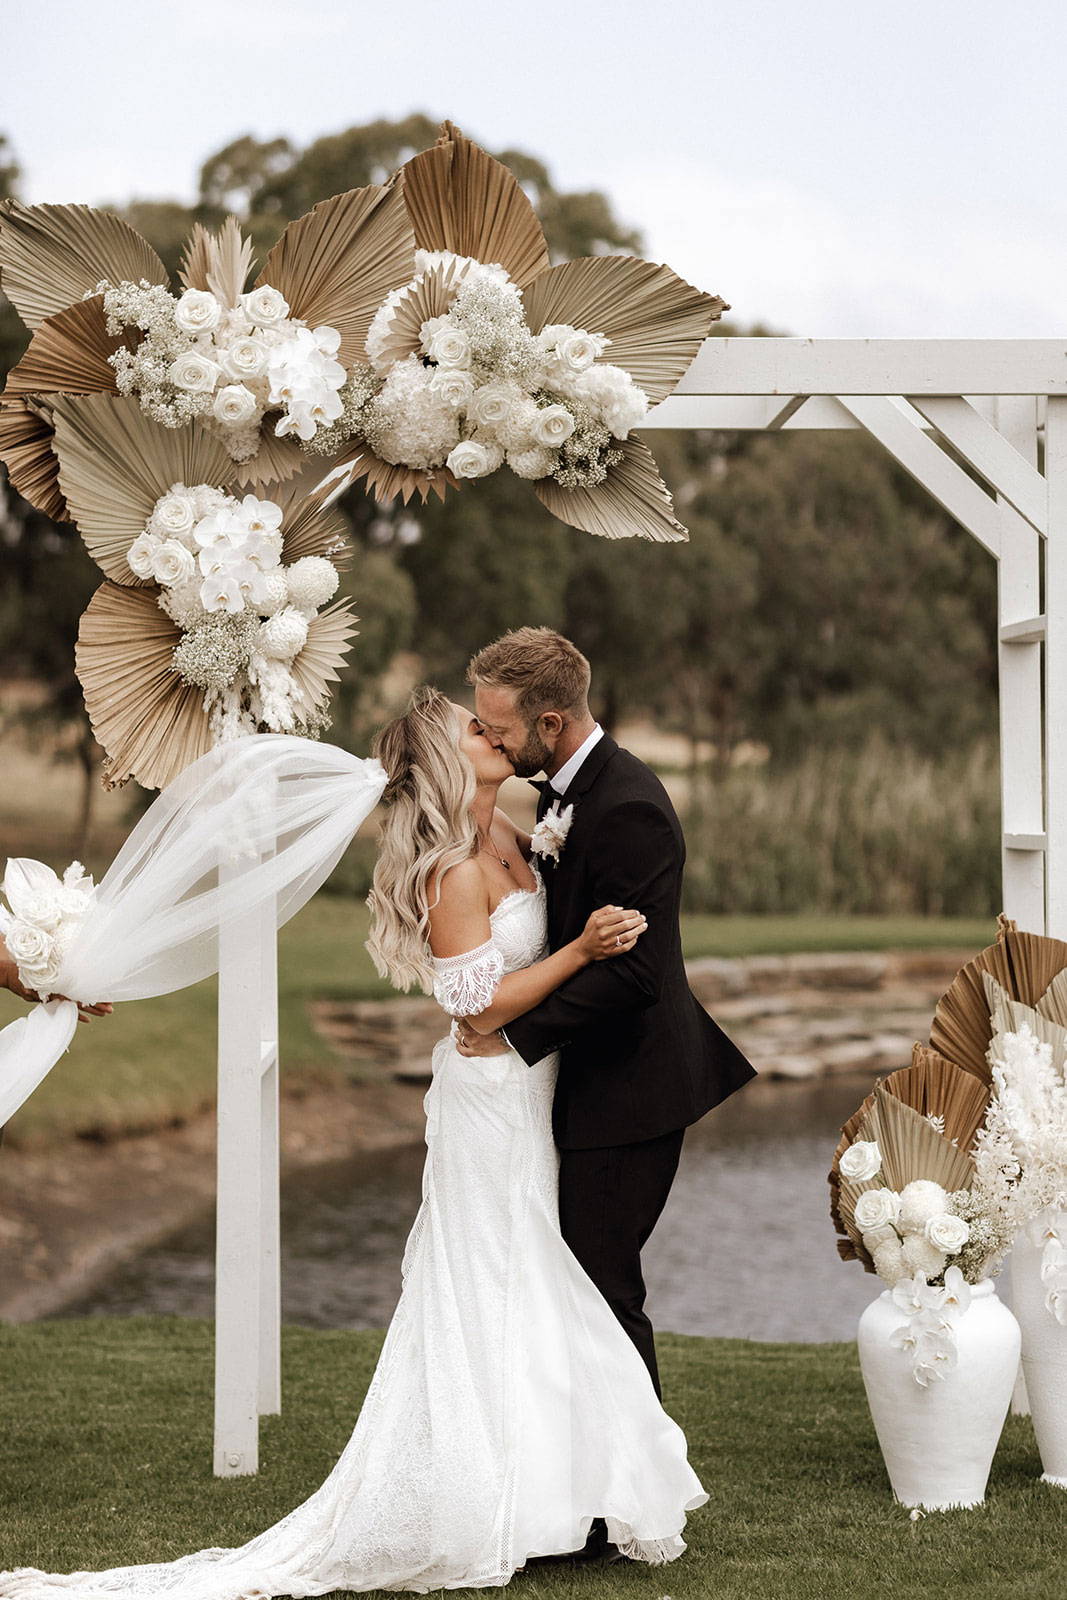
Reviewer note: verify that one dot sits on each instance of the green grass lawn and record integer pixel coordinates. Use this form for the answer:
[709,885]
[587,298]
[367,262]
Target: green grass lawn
[154,1062]
[105,1437]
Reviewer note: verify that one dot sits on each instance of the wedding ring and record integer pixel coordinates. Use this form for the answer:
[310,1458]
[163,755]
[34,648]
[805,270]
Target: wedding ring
[618,938]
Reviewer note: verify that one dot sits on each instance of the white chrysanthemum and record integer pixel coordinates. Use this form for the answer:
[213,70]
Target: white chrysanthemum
[919,1201]
[407,423]
[272,592]
[922,1256]
[282,636]
[536,463]
[889,1263]
[311,581]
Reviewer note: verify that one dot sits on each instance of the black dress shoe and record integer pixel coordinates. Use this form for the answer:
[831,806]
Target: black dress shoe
[595,1548]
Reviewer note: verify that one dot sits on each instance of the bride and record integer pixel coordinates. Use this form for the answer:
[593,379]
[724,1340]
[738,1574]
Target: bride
[508,1408]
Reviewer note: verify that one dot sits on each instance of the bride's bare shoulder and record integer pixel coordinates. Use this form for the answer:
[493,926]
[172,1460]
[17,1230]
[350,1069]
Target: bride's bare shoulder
[459,908]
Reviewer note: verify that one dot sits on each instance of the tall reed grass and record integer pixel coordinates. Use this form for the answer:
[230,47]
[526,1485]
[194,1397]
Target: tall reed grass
[878,829]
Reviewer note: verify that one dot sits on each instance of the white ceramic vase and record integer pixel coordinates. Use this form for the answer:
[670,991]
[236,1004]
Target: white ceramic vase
[938,1441]
[1044,1359]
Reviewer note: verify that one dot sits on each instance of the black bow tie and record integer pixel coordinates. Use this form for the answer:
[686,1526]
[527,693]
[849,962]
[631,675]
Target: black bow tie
[542,785]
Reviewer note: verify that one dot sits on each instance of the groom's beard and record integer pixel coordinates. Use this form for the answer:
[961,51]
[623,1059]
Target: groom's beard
[532,758]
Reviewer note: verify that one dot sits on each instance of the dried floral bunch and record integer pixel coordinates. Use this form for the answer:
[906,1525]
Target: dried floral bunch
[243,614]
[225,365]
[413,332]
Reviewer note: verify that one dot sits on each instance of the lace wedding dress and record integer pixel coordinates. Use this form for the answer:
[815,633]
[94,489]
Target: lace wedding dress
[508,1407]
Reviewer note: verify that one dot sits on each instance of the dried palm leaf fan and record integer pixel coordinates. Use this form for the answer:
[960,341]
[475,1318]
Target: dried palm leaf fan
[1023,964]
[1008,1016]
[929,1087]
[150,722]
[26,450]
[334,265]
[461,200]
[115,463]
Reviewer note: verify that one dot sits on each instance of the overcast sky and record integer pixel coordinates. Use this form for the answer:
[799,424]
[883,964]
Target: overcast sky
[835,167]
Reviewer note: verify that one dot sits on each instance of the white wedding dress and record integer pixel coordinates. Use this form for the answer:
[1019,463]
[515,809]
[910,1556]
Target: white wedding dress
[508,1408]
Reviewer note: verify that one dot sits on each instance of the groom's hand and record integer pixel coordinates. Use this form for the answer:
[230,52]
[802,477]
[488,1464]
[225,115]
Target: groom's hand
[471,1043]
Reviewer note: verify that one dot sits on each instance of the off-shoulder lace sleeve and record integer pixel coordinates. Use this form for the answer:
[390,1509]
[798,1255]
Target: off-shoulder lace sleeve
[466,984]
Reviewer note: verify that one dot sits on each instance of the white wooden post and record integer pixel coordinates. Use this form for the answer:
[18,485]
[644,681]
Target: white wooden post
[247,1312]
[1056,666]
[1021,631]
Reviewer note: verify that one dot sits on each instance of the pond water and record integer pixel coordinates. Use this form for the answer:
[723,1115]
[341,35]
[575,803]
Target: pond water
[745,1248]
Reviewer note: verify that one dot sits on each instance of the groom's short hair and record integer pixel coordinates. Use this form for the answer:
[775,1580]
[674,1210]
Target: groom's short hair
[545,671]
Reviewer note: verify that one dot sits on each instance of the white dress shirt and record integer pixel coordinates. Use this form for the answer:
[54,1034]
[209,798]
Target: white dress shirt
[567,773]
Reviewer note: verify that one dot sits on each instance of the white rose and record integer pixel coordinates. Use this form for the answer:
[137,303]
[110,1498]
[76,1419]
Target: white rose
[194,373]
[473,459]
[197,311]
[41,975]
[452,386]
[553,427]
[947,1232]
[450,347]
[140,557]
[244,358]
[235,405]
[264,306]
[919,1201]
[173,515]
[173,563]
[861,1160]
[579,350]
[27,944]
[492,404]
[876,1207]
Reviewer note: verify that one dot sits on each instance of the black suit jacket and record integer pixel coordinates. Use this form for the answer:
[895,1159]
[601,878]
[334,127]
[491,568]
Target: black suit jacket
[639,1055]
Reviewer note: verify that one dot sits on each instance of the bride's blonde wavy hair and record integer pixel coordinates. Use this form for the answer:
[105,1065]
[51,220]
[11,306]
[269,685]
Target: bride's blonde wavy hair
[428,827]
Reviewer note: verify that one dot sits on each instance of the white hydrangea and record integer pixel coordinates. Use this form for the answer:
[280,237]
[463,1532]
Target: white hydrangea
[406,423]
[182,604]
[535,463]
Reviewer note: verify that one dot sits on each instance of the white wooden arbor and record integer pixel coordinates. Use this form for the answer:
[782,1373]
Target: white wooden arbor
[1000,405]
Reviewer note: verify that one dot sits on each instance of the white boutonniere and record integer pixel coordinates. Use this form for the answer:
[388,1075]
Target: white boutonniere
[549,836]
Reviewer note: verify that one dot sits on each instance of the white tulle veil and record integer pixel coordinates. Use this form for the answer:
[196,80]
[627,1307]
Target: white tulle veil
[257,824]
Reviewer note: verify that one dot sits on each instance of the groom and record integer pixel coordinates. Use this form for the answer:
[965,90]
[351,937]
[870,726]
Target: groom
[640,1059]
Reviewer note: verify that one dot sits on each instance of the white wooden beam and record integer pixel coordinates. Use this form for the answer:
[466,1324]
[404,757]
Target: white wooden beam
[950,486]
[1056,666]
[748,413]
[986,449]
[1019,663]
[878,366]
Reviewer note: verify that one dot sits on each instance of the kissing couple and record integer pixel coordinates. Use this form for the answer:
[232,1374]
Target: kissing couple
[514,1414]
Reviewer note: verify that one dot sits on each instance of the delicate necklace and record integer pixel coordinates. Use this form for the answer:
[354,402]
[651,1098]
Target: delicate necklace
[486,844]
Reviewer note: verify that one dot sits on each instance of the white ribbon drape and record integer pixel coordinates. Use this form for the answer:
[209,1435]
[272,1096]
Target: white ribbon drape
[257,823]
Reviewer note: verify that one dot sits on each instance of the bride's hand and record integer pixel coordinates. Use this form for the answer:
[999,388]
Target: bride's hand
[9,979]
[611,931]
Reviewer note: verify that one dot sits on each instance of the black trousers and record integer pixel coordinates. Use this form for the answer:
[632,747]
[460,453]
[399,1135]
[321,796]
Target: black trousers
[609,1202]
